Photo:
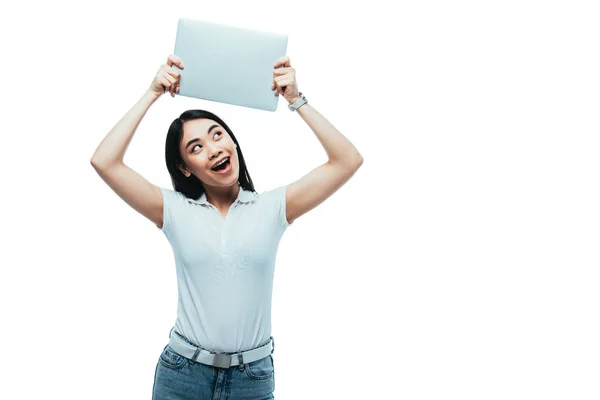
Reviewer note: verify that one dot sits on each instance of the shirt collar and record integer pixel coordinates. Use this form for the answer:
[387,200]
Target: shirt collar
[244,196]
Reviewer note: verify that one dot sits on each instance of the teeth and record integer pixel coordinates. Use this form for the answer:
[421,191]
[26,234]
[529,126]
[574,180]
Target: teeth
[224,160]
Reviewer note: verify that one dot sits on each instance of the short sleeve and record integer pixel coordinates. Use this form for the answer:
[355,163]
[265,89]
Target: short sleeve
[281,206]
[170,200]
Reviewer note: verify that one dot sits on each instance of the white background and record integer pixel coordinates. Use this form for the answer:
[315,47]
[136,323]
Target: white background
[460,262]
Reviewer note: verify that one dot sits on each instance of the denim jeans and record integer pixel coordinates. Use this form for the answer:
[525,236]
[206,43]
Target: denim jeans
[179,378]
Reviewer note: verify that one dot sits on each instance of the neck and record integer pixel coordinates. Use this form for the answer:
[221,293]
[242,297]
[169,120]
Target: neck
[222,197]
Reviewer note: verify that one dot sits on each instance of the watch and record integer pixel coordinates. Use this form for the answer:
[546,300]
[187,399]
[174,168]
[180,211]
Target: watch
[298,103]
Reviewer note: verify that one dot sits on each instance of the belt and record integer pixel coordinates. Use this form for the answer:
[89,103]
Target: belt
[221,360]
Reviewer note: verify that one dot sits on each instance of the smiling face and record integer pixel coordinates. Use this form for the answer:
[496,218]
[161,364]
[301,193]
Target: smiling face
[204,143]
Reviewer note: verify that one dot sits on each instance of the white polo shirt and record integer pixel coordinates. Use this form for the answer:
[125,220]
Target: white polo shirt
[225,267]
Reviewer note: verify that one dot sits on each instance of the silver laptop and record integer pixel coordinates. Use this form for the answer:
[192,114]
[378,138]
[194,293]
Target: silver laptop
[228,64]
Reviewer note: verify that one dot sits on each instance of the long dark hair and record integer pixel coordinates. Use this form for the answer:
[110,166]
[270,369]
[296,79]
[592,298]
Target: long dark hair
[193,187]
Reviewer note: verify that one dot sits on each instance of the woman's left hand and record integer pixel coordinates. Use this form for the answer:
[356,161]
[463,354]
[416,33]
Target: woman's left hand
[284,80]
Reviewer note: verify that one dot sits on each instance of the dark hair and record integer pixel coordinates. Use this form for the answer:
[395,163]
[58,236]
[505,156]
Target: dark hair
[193,187]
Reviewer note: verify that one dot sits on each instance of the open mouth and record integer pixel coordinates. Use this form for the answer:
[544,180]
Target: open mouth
[223,167]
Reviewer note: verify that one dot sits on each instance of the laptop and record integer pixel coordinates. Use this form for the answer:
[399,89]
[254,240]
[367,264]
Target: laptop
[228,64]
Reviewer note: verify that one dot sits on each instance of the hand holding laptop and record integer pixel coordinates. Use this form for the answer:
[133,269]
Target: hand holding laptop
[167,78]
[284,80]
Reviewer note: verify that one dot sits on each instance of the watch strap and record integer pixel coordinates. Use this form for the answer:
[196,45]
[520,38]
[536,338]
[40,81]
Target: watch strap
[298,103]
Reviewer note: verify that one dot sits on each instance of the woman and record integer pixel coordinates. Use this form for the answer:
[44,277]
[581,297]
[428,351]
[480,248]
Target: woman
[224,237]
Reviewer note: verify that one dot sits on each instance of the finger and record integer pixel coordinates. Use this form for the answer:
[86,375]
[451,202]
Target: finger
[286,78]
[282,70]
[276,88]
[174,87]
[177,75]
[176,81]
[283,61]
[166,84]
[170,78]
[173,59]
[283,84]
[173,72]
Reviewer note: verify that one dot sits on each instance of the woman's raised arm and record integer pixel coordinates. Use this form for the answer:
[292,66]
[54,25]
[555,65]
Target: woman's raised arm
[130,186]
[344,159]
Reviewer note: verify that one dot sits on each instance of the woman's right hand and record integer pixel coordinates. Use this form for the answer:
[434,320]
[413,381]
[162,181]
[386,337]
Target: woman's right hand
[167,78]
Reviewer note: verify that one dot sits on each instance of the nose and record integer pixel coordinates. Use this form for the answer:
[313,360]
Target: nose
[213,151]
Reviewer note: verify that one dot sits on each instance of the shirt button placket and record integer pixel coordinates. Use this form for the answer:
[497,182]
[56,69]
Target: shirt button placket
[224,229]
[223,232]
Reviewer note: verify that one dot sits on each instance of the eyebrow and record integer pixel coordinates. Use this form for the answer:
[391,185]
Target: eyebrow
[198,139]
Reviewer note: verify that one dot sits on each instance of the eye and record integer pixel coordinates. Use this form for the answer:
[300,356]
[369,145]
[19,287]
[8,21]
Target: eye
[196,145]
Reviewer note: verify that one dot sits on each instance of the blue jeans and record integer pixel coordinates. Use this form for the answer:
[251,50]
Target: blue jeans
[179,378]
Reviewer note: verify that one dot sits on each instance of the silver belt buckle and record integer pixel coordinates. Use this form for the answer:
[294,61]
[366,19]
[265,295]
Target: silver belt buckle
[222,360]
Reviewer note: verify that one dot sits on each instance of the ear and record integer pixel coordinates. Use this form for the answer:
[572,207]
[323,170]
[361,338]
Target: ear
[184,171]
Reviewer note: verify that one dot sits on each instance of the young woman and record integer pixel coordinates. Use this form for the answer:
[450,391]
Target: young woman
[224,237]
